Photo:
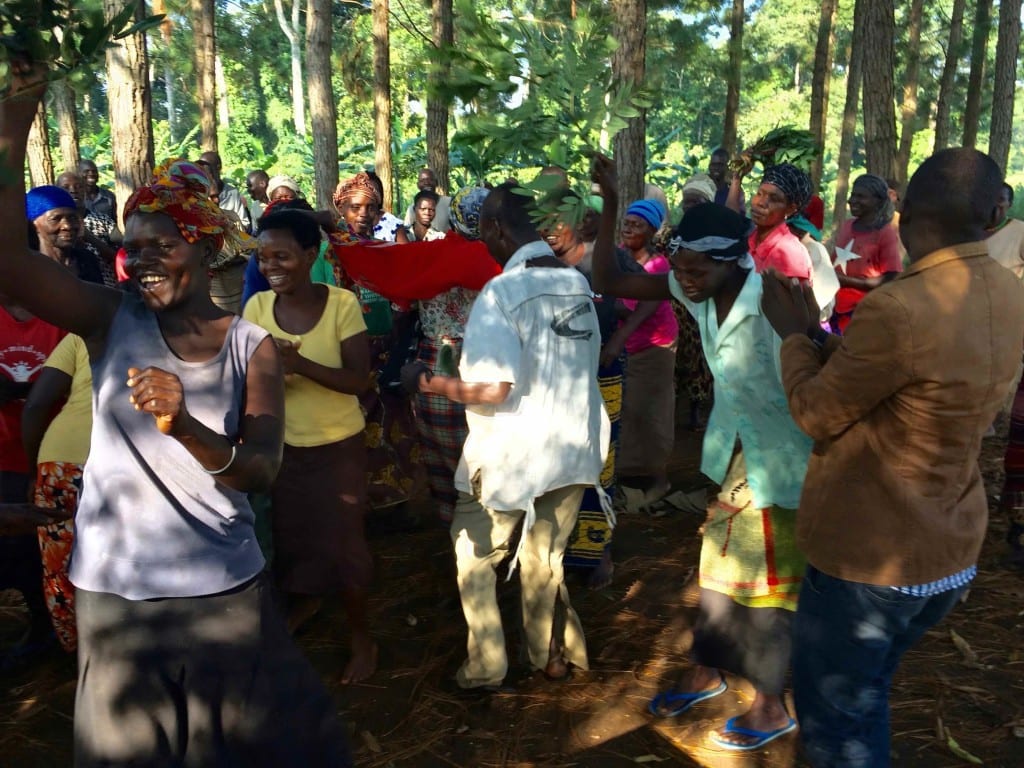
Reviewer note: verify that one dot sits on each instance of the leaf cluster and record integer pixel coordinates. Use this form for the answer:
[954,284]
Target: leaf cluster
[783,144]
[537,92]
[67,36]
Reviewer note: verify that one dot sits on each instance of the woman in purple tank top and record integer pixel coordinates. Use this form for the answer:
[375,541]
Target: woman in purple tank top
[188,661]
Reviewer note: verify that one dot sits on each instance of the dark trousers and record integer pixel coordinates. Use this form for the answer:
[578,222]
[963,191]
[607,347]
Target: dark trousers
[848,639]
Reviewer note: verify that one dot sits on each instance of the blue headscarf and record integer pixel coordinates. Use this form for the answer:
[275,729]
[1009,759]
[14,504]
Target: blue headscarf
[43,199]
[650,210]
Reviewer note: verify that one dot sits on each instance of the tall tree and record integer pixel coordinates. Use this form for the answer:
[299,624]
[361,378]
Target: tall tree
[628,66]
[382,99]
[979,49]
[821,80]
[910,84]
[948,81]
[1003,90]
[854,79]
[37,151]
[62,98]
[437,104]
[292,29]
[166,30]
[323,113]
[734,76]
[879,92]
[206,70]
[129,107]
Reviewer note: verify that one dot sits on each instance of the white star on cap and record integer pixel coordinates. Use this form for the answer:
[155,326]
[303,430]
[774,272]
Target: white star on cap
[844,255]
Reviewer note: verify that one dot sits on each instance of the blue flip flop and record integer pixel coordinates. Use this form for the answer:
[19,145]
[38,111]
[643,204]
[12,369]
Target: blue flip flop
[681,701]
[760,737]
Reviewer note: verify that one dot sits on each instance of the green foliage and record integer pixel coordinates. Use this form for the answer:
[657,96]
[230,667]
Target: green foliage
[68,36]
[783,144]
[558,103]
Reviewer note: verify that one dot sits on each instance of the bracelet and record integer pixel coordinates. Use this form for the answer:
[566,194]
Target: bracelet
[226,467]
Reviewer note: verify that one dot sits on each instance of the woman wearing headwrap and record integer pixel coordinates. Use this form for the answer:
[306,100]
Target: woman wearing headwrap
[393,461]
[178,632]
[691,368]
[750,570]
[442,422]
[54,228]
[647,332]
[782,194]
[282,187]
[866,249]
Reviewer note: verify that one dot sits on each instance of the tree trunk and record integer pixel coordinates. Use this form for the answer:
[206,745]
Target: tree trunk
[979,53]
[223,109]
[733,77]
[63,101]
[628,66]
[293,31]
[437,107]
[820,81]
[382,99]
[323,114]
[40,163]
[206,78]
[910,81]
[1003,90]
[130,110]
[879,92]
[854,77]
[166,29]
[948,81]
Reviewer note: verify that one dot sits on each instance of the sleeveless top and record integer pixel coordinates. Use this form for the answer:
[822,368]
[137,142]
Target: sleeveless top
[151,522]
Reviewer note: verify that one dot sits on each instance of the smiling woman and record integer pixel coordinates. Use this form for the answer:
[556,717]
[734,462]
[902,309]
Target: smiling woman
[188,419]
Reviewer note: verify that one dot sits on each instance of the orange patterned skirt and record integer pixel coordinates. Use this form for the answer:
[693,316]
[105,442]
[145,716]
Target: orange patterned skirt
[58,485]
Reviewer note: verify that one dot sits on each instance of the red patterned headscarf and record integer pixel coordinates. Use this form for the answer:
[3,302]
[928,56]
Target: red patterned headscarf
[181,190]
[360,184]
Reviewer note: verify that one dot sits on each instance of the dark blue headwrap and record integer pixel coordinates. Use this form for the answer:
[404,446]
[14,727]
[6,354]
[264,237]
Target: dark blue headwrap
[42,199]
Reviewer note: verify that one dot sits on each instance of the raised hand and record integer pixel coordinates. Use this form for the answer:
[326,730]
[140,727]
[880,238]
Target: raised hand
[603,173]
[788,303]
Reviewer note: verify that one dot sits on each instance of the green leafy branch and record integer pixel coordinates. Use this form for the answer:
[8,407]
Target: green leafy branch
[65,35]
[537,93]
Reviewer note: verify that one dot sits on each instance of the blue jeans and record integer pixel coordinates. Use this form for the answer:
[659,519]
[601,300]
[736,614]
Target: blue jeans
[848,639]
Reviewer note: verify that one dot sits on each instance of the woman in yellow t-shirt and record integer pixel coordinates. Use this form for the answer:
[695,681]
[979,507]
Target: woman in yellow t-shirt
[319,496]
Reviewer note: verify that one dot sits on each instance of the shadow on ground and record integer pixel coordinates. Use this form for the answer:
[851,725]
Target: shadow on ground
[970,688]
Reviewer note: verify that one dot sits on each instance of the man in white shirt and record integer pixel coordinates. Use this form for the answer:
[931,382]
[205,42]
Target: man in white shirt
[538,435]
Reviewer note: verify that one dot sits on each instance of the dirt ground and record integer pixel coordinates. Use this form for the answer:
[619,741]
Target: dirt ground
[969,687]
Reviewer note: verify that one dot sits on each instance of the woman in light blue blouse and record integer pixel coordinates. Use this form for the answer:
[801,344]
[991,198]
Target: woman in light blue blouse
[750,569]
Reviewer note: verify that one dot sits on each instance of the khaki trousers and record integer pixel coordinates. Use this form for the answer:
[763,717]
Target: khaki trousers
[481,539]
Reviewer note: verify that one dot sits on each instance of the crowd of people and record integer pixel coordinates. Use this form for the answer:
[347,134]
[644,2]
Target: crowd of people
[198,414]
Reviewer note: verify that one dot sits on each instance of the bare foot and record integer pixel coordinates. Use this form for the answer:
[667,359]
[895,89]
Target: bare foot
[557,669]
[363,662]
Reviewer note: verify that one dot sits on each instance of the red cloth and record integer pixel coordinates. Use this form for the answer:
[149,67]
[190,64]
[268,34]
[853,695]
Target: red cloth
[815,211]
[404,272]
[24,347]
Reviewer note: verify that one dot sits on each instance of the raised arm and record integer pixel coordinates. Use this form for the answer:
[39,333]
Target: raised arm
[44,287]
[608,278]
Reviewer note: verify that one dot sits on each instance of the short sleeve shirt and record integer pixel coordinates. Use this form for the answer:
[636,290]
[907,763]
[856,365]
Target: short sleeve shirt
[879,251]
[750,403]
[314,414]
[782,251]
[67,437]
[535,328]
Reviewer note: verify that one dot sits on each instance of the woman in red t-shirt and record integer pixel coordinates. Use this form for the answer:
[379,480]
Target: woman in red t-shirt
[865,249]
